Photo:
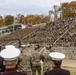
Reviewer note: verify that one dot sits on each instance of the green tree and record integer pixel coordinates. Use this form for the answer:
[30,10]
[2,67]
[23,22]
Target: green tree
[1,21]
[9,20]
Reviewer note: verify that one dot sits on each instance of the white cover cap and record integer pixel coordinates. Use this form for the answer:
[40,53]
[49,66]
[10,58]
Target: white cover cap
[10,53]
[8,46]
[57,56]
[25,45]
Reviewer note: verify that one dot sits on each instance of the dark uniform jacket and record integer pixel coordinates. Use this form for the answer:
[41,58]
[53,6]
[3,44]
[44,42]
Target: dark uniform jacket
[57,71]
[2,67]
[12,71]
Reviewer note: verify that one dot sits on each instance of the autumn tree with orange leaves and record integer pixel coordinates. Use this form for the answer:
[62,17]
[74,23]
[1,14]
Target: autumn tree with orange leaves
[36,19]
[68,9]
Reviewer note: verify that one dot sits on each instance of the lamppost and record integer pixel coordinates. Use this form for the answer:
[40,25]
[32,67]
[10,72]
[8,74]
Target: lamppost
[4,19]
[60,10]
[50,15]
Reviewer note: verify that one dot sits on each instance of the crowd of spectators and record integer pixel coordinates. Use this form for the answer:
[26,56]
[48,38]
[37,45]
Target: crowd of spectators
[48,33]
[54,30]
[16,36]
[70,35]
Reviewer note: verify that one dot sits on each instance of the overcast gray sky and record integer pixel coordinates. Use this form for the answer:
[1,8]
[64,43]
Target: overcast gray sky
[13,7]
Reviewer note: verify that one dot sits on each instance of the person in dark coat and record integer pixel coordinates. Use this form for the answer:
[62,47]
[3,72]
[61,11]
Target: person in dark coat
[2,67]
[10,54]
[19,44]
[56,64]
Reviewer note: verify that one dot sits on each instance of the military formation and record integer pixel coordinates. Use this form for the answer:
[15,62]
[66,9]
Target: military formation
[34,61]
[25,61]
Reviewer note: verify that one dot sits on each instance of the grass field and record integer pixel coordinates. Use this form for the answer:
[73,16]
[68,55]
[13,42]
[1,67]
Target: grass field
[72,70]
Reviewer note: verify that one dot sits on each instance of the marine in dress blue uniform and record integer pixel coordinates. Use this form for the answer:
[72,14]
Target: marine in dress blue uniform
[10,54]
[56,64]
